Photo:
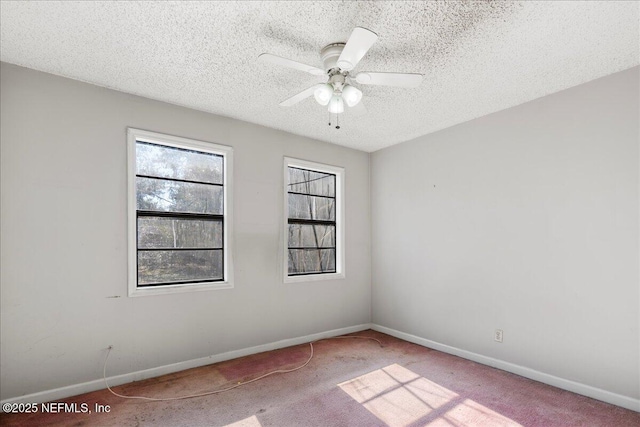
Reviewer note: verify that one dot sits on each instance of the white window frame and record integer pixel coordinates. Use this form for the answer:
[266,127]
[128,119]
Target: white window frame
[134,135]
[339,172]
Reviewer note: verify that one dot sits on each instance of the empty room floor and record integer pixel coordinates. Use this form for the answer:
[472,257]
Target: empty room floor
[348,382]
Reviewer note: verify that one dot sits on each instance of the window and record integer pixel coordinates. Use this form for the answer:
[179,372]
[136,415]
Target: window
[314,236]
[179,214]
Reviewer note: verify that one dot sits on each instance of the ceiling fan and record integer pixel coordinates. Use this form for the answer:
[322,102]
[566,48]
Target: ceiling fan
[339,60]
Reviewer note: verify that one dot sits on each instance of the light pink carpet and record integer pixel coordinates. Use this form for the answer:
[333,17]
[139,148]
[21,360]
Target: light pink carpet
[348,383]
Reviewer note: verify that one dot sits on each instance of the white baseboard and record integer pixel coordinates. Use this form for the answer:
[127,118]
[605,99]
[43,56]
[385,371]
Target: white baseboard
[75,389]
[583,389]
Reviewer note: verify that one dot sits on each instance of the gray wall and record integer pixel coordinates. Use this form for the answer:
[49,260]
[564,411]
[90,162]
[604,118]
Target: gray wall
[64,247]
[525,220]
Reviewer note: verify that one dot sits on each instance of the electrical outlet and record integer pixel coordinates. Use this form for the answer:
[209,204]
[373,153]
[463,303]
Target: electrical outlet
[498,335]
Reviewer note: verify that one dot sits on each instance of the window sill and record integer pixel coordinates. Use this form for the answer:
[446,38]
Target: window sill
[313,277]
[174,289]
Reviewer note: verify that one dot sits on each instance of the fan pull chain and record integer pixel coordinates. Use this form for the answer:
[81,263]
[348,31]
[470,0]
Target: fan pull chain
[337,121]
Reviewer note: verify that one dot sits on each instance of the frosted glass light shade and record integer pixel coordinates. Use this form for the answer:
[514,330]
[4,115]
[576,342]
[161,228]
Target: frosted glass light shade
[351,95]
[323,94]
[336,105]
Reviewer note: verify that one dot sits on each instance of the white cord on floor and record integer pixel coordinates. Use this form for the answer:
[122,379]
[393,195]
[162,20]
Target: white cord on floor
[279,371]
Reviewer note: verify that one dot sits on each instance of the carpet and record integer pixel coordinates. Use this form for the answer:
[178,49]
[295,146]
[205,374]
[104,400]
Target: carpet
[349,382]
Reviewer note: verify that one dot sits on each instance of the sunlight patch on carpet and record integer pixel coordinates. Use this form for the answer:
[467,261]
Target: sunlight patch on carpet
[247,422]
[400,397]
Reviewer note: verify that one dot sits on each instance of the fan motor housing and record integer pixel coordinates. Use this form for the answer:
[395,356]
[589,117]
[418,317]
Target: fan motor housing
[330,55]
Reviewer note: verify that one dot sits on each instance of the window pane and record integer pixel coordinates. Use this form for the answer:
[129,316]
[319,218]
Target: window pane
[173,196]
[311,182]
[178,266]
[312,261]
[312,236]
[179,163]
[157,232]
[310,207]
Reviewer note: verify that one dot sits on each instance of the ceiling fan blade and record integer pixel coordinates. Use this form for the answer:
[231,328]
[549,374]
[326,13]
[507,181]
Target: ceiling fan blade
[300,96]
[357,46]
[278,60]
[389,79]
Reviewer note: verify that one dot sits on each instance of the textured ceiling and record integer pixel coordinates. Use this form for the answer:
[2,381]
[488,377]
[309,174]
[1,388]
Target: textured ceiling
[477,57]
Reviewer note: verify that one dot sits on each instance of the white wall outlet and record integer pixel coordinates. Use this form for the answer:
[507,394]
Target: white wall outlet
[498,335]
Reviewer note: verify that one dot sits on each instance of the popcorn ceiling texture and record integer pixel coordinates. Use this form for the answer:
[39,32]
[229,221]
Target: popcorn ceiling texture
[477,57]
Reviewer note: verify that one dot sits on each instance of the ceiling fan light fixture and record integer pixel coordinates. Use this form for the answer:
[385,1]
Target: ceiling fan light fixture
[336,105]
[323,94]
[339,59]
[352,95]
